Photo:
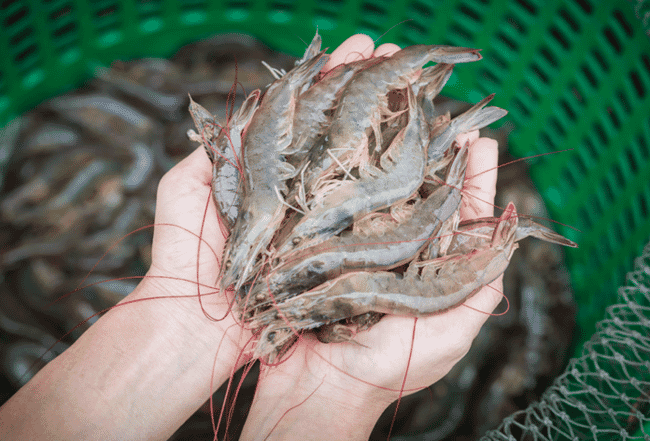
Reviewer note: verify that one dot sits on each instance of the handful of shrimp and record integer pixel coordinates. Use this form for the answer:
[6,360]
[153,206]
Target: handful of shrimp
[342,196]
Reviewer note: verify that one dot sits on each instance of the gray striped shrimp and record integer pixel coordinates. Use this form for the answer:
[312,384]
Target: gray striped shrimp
[224,150]
[311,121]
[471,233]
[269,133]
[438,285]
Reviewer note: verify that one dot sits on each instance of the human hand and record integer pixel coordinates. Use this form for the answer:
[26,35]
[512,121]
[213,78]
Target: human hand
[347,386]
[185,210]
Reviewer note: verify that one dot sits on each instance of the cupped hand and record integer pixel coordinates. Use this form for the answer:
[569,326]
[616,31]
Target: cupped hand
[372,370]
[184,266]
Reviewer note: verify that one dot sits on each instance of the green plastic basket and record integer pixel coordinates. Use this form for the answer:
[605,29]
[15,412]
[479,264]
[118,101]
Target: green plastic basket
[574,74]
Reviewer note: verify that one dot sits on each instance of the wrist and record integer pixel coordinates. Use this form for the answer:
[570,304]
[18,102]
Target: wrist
[188,326]
[309,406]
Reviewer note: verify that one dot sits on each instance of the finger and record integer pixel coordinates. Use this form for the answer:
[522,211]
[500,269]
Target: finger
[386,50]
[357,47]
[470,137]
[485,301]
[481,179]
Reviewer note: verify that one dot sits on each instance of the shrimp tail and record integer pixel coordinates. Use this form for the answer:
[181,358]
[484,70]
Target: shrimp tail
[478,117]
[303,73]
[453,54]
[529,228]
[312,50]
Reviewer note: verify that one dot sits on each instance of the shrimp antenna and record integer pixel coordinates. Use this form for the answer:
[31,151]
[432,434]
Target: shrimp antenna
[391,28]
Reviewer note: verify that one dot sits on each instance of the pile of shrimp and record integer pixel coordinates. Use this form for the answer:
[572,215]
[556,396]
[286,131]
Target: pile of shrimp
[342,196]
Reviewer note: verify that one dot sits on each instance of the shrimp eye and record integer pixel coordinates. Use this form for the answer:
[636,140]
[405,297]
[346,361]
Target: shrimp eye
[276,261]
[228,264]
[271,336]
[296,240]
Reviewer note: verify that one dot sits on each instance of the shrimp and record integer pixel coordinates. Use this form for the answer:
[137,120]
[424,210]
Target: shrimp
[442,284]
[313,266]
[225,154]
[311,122]
[472,232]
[475,118]
[269,133]
[365,97]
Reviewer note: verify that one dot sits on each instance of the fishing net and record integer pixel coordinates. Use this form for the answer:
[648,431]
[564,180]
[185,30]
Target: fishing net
[604,393]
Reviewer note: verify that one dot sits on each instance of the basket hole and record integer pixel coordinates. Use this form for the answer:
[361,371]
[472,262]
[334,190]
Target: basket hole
[555,123]
[516,24]
[613,117]
[646,62]
[22,56]
[421,9]
[547,142]
[374,9]
[528,6]
[531,93]
[60,12]
[601,61]
[498,59]
[489,76]
[520,105]
[619,179]
[469,12]
[585,5]
[620,18]
[600,131]
[559,37]
[417,27]
[576,93]
[644,147]
[589,75]
[106,11]
[459,31]
[537,71]
[575,27]
[638,85]
[548,55]
[629,219]
[21,35]
[580,166]
[643,205]
[507,40]
[16,16]
[607,189]
[616,235]
[567,108]
[631,161]
[613,40]
[591,148]
[569,180]
[63,30]
[585,220]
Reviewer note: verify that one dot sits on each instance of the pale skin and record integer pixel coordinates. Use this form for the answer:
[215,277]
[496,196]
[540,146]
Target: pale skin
[144,368]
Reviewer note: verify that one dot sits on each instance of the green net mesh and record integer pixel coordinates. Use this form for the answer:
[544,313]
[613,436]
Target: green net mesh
[605,392]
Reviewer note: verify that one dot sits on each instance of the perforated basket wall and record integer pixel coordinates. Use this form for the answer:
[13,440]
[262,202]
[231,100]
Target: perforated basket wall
[574,74]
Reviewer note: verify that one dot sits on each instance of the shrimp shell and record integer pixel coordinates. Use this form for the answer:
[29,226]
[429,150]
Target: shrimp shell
[444,283]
